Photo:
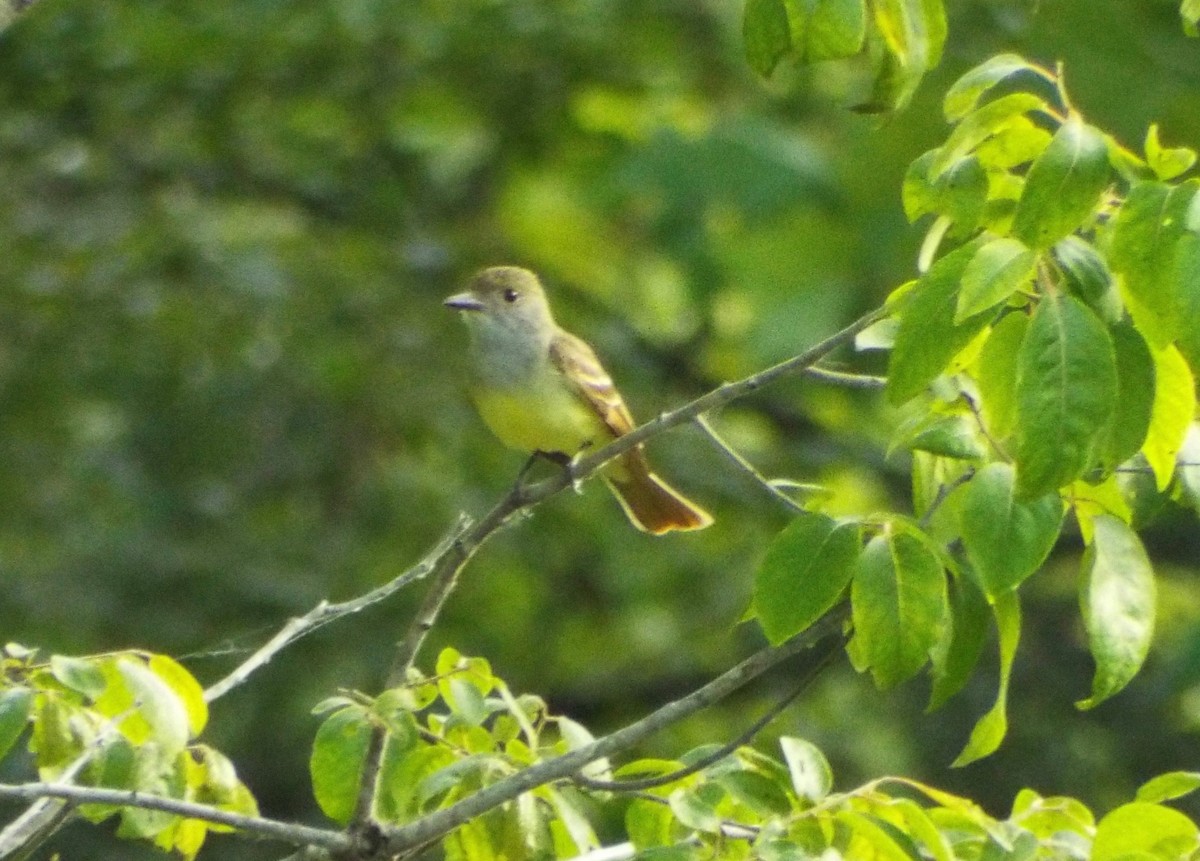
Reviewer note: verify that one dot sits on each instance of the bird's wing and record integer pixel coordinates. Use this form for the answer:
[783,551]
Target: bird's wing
[578,364]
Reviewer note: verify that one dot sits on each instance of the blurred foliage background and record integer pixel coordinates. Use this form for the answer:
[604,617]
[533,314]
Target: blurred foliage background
[228,388]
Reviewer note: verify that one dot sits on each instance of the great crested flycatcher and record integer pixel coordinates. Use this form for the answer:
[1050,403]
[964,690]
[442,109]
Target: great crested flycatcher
[541,389]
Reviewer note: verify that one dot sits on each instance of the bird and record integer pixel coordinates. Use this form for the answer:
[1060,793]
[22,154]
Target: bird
[542,390]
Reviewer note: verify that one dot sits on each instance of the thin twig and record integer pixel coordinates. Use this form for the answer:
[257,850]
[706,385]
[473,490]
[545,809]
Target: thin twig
[324,613]
[287,832]
[644,783]
[401,839]
[846,379]
[745,466]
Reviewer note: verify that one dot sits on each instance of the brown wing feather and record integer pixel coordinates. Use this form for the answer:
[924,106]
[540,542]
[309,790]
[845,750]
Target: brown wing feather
[578,364]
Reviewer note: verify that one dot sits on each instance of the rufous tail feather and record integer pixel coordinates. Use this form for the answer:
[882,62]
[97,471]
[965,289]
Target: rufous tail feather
[650,503]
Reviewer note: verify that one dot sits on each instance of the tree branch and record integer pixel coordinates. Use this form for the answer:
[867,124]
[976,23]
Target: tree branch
[293,833]
[641,784]
[435,825]
[324,612]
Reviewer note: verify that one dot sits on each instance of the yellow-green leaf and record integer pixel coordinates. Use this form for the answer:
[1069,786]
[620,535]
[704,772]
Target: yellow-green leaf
[1173,411]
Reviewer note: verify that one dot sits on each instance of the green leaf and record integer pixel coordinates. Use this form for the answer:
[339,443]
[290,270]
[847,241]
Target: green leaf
[648,824]
[1007,539]
[958,651]
[899,606]
[1167,163]
[766,34]
[337,760]
[16,705]
[881,842]
[989,731]
[1063,186]
[805,570]
[1048,818]
[949,435]
[1145,252]
[1172,413]
[756,792]
[981,124]
[812,776]
[1117,594]
[1140,830]
[697,808]
[998,269]
[1066,390]
[996,374]
[912,33]
[960,192]
[1166,787]
[52,739]
[78,674]
[928,338]
[1136,385]
[964,95]
[1187,274]
[402,774]
[1087,276]
[919,825]
[833,29]
[1014,142]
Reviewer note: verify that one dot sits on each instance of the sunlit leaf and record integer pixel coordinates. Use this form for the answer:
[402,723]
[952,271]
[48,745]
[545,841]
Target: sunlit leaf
[1118,605]
[806,569]
[1172,413]
[188,691]
[964,95]
[1167,163]
[1063,185]
[998,269]
[697,808]
[812,776]
[981,124]
[1144,831]
[1169,786]
[1066,390]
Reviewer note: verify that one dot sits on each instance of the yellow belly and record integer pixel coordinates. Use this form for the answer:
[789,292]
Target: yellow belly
[544,418]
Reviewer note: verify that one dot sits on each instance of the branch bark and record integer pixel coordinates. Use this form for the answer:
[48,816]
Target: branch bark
[407,837]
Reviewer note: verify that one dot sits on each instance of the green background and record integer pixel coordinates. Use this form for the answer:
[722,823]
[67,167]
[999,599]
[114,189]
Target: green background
[228,388]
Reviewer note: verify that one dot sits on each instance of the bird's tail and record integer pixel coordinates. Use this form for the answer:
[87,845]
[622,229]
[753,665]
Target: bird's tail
[649,502]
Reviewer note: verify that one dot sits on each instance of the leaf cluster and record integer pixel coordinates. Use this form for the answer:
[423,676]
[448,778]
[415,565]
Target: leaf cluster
[1044,366]
[123,720]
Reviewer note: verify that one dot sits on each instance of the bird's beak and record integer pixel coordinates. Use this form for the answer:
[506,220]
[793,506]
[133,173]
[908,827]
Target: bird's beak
[463,302]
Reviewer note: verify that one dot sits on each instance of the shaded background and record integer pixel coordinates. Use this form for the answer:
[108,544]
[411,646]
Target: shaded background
[228,388]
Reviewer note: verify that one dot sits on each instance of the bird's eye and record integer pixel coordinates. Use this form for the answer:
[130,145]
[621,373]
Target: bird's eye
[511,295]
